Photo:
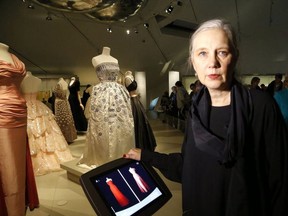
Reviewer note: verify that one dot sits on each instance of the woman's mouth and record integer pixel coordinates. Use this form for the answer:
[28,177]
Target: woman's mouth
[213,76]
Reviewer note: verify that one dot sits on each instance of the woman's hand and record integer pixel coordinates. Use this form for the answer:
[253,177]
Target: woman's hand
[134,154]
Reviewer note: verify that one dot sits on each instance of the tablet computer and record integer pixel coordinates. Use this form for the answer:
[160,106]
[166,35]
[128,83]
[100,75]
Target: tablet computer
[125,187]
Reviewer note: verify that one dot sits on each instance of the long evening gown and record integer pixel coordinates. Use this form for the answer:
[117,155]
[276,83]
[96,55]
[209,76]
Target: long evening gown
[15,164]
[144,136]
[110,129]
[63,114]
[77,112]
[48,147]
[119,196]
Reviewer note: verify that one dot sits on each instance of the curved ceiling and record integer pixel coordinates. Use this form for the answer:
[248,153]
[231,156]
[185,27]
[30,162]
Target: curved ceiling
[102,10]
[52,41]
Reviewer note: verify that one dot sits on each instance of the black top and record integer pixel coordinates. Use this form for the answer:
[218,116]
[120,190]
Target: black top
[255,185]
[132,86]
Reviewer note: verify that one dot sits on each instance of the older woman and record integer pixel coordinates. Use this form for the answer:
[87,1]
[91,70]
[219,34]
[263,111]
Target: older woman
[234,156]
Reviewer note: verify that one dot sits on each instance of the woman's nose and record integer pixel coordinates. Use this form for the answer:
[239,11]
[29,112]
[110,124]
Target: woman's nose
[213,61]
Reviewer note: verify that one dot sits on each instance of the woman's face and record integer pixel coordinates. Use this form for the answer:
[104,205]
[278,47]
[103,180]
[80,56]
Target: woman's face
[212,59]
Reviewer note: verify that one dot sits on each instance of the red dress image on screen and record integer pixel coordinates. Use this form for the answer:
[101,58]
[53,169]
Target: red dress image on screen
[121,199]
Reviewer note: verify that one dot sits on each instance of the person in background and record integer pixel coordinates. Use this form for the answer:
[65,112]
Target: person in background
[198,86]
[275,85]
[164,103]
[233,160]
[173,110]
[193,90]
[281,98]
[182,100]
[255,83]
[263,87]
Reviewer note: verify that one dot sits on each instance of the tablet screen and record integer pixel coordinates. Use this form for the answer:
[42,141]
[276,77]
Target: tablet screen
[127,187]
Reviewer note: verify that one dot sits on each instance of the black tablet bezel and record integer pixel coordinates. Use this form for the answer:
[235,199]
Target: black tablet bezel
[99,204]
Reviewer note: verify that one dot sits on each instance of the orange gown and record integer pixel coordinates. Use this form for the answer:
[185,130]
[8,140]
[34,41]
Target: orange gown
[13,142]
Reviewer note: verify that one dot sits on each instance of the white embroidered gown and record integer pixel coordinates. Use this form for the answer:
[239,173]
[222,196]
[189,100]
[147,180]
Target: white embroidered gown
[110,131]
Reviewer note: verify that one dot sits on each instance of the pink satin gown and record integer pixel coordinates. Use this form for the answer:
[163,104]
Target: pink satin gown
[13,139]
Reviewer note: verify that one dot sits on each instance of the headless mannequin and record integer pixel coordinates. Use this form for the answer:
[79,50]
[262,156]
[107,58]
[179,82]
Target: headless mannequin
[63,83]
[78,94]
[104,57]
[30,83]
[72,81]
[13,143]
[129,78]
[4,53]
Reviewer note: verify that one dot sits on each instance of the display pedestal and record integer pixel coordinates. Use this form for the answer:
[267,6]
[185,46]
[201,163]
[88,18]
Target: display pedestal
[73,171]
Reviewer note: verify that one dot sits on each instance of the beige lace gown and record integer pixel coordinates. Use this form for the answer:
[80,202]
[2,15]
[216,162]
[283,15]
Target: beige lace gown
[48,147]
[63,114]
[110,131]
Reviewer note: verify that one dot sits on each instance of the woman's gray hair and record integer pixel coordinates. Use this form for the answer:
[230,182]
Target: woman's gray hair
[217,24]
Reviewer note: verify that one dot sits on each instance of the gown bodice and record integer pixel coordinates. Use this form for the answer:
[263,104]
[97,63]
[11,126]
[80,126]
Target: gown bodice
[132,86]
[107,71]
[74,88]
[13,106]
[59,92]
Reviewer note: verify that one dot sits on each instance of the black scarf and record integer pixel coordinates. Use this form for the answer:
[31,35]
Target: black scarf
[238,129]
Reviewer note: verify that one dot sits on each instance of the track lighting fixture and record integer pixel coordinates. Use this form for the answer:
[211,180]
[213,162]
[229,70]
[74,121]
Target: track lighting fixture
[146,25]
[49,17]
[30,6]
[109,30]
[179,3]
[169,9]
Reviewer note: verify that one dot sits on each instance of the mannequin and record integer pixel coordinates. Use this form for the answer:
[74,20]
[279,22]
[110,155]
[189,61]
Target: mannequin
[32,83]
[48,147]
[76,105]
[13,137]
[144,137]
[5,55]
[63,83]
[128,79]
[110,128]
[63,113]
[104,57]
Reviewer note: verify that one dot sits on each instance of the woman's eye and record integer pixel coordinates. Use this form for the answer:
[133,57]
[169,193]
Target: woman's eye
[223,53]
[203,53]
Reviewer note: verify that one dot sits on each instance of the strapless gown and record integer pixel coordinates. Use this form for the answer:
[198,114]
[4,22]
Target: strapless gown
[48,147]
[110,131]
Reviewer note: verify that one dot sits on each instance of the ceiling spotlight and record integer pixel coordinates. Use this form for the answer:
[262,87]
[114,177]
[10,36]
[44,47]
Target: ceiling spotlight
[109,30]
[30,6]
[146,25]
[127,31]
[169,9]
[49,17]
[179,3]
